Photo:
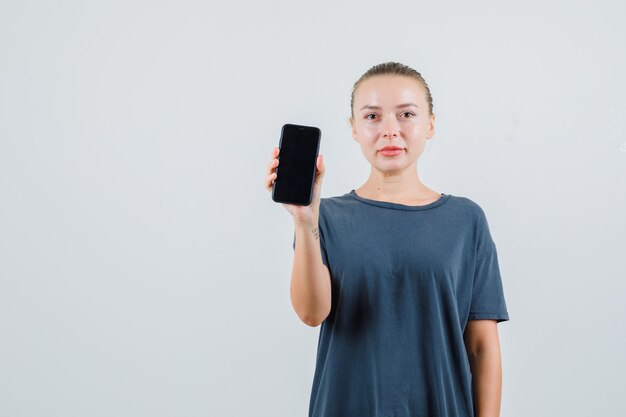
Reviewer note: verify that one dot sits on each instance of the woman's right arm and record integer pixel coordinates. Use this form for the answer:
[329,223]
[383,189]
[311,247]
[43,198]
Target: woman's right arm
[310,279]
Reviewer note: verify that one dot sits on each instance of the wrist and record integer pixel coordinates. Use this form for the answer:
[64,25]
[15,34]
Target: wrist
[307,224]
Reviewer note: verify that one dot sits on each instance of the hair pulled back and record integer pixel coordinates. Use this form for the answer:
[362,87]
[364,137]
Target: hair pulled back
[392,68]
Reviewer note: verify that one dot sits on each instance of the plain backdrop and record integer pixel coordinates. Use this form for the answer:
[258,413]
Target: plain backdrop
[144,268]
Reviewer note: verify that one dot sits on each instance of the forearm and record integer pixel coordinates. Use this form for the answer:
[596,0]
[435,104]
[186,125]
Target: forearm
[310,287]
[486,369]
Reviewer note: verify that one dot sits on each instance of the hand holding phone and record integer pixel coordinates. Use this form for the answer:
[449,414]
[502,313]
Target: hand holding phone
[297,184]
[299,146]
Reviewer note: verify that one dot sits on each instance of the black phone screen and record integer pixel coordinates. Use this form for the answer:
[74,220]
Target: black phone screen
[295,173]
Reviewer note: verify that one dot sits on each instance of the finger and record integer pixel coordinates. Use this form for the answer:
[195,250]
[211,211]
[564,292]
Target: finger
[270,181]
[273,164]
[274,155]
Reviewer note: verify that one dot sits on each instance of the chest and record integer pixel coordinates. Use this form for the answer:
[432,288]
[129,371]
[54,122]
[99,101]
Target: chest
[417,248]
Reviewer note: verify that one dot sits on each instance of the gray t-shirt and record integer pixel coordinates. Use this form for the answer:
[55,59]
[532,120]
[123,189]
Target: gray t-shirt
[405,281]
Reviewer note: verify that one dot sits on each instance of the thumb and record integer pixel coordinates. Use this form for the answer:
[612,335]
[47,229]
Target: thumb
[320,165]
[321,169]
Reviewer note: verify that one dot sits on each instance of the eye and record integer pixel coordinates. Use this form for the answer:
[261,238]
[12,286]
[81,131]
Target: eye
[410,114]
[367,116]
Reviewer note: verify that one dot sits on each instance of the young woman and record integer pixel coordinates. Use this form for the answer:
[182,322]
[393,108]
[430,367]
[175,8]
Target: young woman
[403,279]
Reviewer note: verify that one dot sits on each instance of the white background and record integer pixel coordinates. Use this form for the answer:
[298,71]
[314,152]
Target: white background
[144,269]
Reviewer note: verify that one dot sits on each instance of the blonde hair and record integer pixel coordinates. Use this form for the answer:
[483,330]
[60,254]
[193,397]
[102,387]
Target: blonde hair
[392,68]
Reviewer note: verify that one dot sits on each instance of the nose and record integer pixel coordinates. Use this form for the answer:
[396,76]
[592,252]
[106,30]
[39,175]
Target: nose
[390,129]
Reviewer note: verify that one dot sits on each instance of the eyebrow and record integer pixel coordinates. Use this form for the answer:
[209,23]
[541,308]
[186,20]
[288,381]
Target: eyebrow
[368,106]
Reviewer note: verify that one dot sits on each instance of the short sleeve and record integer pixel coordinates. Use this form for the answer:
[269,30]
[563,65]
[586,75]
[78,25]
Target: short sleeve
[322,246]
[488,300]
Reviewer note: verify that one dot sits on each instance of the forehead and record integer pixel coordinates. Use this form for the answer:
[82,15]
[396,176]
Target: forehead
[389,89]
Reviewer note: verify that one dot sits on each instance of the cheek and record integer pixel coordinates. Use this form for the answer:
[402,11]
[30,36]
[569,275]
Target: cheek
[413,124]
[413,131]
[370,129]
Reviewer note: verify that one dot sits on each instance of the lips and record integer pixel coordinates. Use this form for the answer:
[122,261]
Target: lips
[391,151]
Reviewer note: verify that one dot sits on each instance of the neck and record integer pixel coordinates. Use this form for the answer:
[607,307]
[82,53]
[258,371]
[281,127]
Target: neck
[383,185]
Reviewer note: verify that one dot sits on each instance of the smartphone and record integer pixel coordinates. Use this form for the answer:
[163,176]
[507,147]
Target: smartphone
[295,173]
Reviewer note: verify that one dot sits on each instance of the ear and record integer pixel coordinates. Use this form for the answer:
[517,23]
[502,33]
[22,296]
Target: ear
[353,128]
[431,127]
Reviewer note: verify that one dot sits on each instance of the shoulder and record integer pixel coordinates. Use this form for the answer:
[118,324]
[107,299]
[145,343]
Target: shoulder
[472,214]
[466,208]
[336,211]
[332,205]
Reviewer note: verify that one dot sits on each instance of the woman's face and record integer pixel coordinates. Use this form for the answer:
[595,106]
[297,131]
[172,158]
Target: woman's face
[391,110]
